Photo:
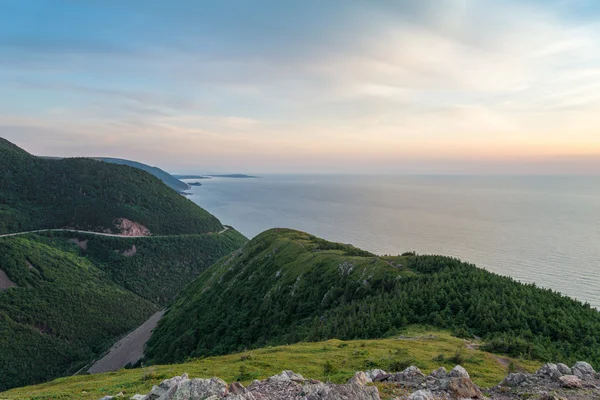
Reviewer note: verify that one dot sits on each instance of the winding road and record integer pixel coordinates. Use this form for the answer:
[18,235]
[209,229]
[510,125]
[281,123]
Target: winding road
[225,229]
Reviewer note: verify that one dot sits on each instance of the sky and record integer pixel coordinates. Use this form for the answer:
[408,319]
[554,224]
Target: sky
[346,86]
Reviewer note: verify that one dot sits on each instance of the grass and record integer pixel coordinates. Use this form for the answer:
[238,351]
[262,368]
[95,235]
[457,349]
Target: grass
[333,360]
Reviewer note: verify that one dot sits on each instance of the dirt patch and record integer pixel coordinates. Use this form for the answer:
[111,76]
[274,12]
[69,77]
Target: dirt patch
[5,281]
[130,228]
[130,349]
[82,244]
[131,252]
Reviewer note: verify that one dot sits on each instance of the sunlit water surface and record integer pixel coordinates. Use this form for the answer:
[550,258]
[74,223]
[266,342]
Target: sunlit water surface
[535,229]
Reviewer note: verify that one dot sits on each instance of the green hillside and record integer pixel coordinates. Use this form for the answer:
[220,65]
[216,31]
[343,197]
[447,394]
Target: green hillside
[87,194]
[70,304]
[287,286]
[159,267]
[164,176]
[333,360]
[63,311]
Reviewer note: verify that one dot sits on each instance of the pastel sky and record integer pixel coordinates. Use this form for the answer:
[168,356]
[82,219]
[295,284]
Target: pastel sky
[444,86]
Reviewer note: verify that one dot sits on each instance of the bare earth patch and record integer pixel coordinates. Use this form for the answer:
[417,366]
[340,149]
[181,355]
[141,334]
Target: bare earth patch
[5,281]
[131,252]
[130,349]
[130,228]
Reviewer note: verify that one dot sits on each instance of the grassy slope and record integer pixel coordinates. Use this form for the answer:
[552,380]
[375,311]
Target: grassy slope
[287,286]
[63,312]
[306,358]
[88,194]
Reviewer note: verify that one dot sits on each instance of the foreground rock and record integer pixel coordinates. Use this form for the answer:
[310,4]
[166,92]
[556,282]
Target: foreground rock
[551,382]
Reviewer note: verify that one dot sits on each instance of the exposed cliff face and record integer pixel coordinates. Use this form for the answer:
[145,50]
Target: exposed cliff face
[551,382]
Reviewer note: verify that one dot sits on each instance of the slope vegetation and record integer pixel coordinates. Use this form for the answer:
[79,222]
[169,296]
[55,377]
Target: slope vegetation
[61,313]
[76,295]
[286,286]
[87,194]
[164,176]
[333,360]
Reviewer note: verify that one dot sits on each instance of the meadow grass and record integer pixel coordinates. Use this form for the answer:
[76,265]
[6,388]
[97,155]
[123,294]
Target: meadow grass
[333,360]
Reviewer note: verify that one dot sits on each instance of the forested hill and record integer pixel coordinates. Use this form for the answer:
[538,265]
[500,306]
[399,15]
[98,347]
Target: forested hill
[164,176]
[286,286]
[86,194]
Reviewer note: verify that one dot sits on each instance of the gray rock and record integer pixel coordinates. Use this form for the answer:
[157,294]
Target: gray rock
[137,397]
[549,370]
[421,395]
[439,373]
[340,392]
[155,393]
[583,370]
[286,376]
[411,376]
[516,379]
[203,388]
[374,373]
[571,382]
[107,398]
[459,372]
[360,378]
[564,369]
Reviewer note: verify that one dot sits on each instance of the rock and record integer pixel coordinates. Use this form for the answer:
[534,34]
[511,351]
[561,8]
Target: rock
[564,369]
[360,378]
[463,388]
[411,376]
[155,393]
[286,376]
[340,392]
[570,381]
[137,397]
[236,388]
[203,388]
[374,373]
[107,398]
[421,395]
[439,373]
[516,379]
[459,372]
[549,370]
[583,370]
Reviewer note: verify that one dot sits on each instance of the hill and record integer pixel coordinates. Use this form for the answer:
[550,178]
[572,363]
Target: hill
[333,360]
[73,295]
[286,286]
[92,195]
[164,176]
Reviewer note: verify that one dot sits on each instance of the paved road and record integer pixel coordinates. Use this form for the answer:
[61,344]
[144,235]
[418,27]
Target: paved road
[225,229]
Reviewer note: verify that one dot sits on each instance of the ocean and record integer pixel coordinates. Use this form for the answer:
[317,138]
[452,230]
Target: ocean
[535,229]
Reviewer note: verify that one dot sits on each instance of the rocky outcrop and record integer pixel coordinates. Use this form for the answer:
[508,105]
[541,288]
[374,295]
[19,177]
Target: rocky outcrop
[549,383]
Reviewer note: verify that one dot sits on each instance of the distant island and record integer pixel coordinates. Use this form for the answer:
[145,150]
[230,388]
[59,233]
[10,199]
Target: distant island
[237,176]
[195,184]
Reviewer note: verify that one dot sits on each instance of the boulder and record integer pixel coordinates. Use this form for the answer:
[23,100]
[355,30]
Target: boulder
[570,381]
[375,373]
[564,369]
[203,388]
[439,373]
[360,378]
[583,370]
[421,395]
[411,376]
[137,397]
[339,392]
[516,379]
[463,388]
[549,370]
[459,372]
[286,376]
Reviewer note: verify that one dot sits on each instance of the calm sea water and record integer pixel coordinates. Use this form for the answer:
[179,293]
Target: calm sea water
[535,229]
